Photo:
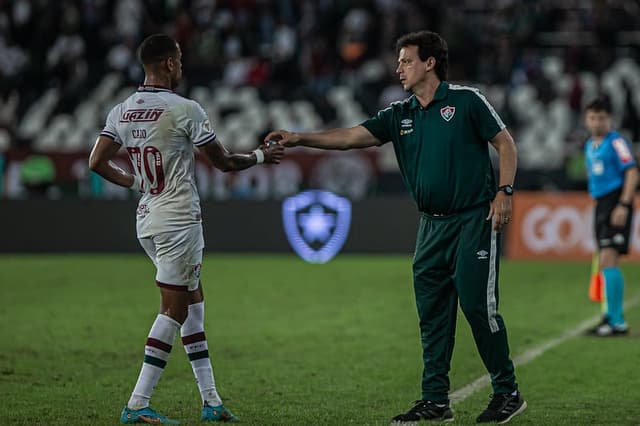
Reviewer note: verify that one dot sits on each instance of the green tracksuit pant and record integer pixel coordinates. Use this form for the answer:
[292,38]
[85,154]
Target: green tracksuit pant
[457,258]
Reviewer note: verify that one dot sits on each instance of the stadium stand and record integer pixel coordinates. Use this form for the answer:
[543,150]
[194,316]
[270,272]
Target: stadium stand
[261,64]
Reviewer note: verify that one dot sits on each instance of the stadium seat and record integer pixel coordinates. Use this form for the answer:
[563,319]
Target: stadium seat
[306,115]
[105,89]
[201,94]
[5,140]
[37,115]
[55,136]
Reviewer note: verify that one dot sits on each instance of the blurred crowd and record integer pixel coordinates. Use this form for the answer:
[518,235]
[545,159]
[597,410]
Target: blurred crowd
[300,48]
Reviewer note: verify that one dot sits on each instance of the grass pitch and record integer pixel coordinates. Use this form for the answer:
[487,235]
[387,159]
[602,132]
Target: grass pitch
[294,344]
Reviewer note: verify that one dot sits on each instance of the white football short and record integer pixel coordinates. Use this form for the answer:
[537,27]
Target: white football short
[177,256]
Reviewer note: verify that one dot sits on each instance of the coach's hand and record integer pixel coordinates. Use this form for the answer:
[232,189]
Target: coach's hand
[500,211]
[283,137]
[273,152]
[619,216]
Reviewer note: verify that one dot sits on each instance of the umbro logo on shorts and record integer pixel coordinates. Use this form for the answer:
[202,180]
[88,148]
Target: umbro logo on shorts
[482,254]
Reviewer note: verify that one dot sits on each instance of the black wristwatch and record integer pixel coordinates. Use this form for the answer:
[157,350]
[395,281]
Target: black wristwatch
[625,205]
[507,189]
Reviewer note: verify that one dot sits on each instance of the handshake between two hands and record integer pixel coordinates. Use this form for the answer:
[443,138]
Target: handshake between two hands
[273,146]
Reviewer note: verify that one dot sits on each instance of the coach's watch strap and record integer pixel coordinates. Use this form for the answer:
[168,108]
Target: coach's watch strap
[507,189]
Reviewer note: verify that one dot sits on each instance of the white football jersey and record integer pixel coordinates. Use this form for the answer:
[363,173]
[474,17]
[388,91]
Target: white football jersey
[159,129]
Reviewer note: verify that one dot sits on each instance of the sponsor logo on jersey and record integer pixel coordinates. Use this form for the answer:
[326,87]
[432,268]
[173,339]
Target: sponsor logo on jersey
[447,112]
[622,150]
[406,126]
[142,114]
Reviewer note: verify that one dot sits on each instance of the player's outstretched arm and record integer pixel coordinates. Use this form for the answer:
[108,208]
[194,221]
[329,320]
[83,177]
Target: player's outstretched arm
[227,161]
[342,138]
[100,162]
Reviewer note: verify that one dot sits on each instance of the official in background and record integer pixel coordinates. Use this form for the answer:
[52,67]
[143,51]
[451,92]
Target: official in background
[613,178]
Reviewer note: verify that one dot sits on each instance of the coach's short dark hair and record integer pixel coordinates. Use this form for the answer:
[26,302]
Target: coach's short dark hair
[429,44]
[599,104]
[156,48]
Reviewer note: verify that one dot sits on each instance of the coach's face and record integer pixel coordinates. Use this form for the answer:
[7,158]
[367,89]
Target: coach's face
[174,63]
[411,69]
[598,122]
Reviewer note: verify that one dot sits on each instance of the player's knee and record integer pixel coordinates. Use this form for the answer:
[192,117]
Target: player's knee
[177,313]
[175,306]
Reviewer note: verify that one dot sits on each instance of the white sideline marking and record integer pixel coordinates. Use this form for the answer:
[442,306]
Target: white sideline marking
[533,353]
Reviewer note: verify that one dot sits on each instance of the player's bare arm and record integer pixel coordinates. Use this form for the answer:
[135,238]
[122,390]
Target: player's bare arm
[227,161]
[620,212]
[100,162]
[341,138]
[500,209]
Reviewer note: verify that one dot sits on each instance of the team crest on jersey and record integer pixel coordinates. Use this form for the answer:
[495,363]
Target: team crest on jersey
[317,224]
[447,112]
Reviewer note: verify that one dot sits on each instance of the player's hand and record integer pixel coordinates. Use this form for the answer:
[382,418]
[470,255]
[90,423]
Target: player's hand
[283,137]
[619,216]
[500,211]
[273,152]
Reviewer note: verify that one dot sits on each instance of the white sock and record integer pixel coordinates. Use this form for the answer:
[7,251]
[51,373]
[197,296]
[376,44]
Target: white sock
[195,344]
[156,351]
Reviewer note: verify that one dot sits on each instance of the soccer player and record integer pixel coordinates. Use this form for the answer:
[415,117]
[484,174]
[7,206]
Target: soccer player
[613,178]
[440,135]
[159,129]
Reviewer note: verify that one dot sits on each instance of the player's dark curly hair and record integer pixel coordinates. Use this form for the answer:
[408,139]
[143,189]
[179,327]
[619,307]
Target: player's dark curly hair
[429,44]
[156,48]
[599,104]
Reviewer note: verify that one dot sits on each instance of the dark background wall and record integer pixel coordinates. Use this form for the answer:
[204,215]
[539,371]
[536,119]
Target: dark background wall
[379,225]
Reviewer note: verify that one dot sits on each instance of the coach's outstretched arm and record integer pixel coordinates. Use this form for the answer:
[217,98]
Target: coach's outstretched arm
[341,138]
[227,161]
